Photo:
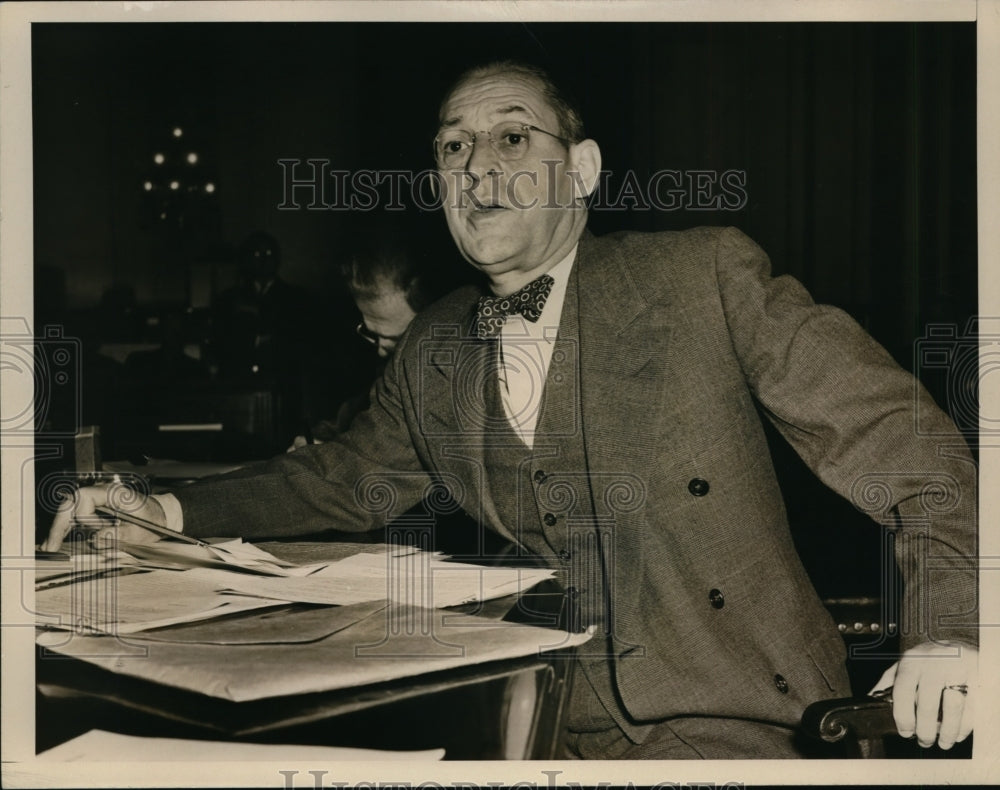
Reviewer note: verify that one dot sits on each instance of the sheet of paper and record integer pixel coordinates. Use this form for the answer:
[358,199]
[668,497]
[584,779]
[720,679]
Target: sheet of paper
[81,562]
[420,579]
[239,550]
[127,604]
[280,627]
[395,642]
[228,555]
[101,746]
[312,552]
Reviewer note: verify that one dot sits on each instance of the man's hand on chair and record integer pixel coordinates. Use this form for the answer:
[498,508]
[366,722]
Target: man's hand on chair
[933,692]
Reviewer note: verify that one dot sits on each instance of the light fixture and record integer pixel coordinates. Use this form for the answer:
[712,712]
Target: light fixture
[210,187]
[148,186]
[178,131]
[192,158]
[175,184]
[158,158]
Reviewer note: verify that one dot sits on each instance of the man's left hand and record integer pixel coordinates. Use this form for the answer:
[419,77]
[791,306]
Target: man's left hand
[929,679]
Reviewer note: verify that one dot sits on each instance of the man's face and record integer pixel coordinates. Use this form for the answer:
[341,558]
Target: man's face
[512,227]
[385,318]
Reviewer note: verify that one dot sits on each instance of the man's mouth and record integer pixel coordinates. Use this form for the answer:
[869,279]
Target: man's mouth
[484,211]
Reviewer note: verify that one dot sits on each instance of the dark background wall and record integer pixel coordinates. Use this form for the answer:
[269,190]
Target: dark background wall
[857,142]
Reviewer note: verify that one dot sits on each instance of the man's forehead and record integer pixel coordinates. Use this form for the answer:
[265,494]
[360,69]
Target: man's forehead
[496,95]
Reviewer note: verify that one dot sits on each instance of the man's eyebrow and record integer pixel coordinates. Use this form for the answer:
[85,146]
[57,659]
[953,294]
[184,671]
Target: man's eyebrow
[448,122]
[512,108]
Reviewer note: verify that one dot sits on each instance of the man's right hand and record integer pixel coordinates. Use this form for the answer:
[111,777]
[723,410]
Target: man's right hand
[79,509]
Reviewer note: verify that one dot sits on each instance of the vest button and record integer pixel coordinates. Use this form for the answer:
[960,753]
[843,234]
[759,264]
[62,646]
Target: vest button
[781,684]
[549,519]
[716,598]
[698,487]
[564,555]
[540,477]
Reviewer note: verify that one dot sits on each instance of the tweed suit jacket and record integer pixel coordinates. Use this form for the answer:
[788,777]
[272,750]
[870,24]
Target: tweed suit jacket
[680,335]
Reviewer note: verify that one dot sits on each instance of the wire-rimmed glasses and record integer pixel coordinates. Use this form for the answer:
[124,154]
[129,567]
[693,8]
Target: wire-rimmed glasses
[510,142]
[374,337]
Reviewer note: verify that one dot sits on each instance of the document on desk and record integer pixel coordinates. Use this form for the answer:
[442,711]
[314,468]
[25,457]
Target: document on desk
[77,563]
[140,601]
[227,555]
[417,578]
[393,642]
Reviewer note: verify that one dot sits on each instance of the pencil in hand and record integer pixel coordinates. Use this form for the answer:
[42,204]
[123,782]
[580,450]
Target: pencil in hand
[150,525]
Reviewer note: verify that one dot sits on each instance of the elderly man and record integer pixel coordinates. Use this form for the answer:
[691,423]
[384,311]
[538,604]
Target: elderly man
[597,409]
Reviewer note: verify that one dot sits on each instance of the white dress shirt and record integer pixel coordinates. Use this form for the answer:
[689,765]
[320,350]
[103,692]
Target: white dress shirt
[526,352]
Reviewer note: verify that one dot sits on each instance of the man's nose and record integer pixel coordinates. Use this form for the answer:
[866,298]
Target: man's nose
[484,169]
[483,157]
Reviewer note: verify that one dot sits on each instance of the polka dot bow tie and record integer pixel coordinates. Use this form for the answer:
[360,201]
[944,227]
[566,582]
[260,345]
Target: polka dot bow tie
[492,311]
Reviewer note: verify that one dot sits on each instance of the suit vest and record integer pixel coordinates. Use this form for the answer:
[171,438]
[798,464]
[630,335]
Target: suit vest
[544,496]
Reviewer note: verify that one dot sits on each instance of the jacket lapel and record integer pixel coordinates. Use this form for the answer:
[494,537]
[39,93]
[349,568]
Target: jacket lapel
[455,370]
[624,343]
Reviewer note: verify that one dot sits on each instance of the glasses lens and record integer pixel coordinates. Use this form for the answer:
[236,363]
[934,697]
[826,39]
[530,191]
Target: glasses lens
[510,140]
[366,333]
[452,148]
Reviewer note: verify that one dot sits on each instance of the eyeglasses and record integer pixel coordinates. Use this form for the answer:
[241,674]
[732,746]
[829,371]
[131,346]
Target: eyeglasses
[374,337]
[510,142]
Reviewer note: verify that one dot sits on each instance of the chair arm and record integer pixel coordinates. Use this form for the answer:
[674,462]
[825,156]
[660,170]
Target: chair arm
[865,719]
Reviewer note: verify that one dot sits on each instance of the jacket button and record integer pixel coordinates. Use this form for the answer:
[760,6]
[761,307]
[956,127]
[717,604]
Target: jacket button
[698,487]
[564,555]
[781,684]
[540,477]
[716,598]
[549,520]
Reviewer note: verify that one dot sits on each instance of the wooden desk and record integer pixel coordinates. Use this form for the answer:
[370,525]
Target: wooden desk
[504,709]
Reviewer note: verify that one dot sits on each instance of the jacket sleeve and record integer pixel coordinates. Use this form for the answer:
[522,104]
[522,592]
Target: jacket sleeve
[355,482]
[852,414]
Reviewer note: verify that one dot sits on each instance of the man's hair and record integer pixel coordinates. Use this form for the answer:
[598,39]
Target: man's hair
[378,260]
[566,109]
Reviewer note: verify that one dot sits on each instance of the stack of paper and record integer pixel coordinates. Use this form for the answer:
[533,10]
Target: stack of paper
[139,601]
[225,578]
[227,555]
[389,643]
[233,555]
[418,578]
[77,565]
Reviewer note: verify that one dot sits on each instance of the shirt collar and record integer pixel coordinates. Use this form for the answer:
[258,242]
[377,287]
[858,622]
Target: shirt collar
[560,272]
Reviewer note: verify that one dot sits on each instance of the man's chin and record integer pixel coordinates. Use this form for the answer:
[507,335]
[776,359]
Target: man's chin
[487,256]
[490,266]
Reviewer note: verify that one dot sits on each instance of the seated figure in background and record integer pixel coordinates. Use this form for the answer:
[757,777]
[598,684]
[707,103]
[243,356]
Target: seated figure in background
[390,284]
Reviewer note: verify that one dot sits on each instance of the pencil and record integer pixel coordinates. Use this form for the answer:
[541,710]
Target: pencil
[150,525]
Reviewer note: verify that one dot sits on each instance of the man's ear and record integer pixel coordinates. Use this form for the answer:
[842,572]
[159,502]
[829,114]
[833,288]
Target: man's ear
[585,159]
